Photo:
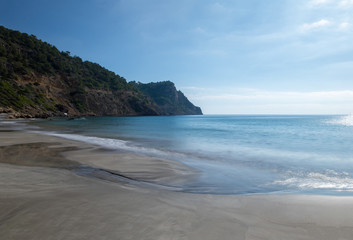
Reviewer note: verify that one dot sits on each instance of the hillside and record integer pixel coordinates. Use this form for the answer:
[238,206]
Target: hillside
[37,80]
[169,100]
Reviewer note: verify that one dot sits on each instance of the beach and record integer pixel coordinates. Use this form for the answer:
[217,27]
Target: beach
[42,197]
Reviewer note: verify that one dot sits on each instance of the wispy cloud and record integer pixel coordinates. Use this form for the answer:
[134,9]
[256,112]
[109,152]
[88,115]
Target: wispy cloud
[346,4]
[315,3]
[219,8]
[336,3]
[324,24]
[315,25]
[262,101]
[284,96]
[344,26]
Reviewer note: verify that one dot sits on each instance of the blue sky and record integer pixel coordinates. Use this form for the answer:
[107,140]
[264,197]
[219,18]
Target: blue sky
[230,56]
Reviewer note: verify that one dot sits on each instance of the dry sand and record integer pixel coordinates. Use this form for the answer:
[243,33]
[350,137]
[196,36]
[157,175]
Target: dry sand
[40,198]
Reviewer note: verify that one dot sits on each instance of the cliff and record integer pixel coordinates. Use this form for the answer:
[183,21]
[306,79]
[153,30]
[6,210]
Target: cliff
[37,80]
[170,101]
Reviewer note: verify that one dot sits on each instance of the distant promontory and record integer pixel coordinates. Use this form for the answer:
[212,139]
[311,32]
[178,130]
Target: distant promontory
[38,80]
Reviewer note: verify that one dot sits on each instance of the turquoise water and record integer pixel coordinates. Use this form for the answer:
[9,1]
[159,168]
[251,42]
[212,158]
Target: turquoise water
[236,154]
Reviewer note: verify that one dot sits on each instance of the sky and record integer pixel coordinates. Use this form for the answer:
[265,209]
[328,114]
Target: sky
[227,56]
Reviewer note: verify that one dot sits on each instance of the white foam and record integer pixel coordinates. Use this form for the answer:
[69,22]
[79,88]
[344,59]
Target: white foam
[114,144]
[80,119]
[314,180]
[8,122]
[16,125]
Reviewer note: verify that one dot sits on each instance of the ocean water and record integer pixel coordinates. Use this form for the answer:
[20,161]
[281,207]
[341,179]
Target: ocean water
[236,154]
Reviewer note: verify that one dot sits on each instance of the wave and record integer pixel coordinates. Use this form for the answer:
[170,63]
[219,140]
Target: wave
[114,144]
[7,122]
[17,125]
[80,119]
[330,180]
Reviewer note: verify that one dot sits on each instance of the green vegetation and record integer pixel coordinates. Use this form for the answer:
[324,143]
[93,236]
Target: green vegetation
[14,96]
[23,54]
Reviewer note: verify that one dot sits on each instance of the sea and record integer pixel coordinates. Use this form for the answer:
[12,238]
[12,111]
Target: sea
[234,154]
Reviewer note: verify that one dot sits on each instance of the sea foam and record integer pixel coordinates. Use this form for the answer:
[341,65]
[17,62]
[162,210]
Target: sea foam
[315,180]
[110,143]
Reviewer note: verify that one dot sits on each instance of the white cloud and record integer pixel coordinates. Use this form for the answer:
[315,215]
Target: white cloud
[248,101]
[346,3]
[344,26]
[218,8]
[285,97]
[315,25]
[336,3]
[314,3]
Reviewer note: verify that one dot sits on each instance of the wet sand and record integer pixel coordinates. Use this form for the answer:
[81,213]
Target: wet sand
[42,198]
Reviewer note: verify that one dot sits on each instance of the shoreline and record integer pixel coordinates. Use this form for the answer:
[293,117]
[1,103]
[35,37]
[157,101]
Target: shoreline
[40,201]
[22,148]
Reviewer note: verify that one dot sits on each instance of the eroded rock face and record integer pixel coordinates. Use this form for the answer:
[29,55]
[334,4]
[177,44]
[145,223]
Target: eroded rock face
[170,101]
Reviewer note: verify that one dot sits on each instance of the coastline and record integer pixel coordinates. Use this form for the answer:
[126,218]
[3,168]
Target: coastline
[41,199]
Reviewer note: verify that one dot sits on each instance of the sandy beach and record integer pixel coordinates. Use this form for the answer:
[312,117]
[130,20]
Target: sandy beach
[42,198]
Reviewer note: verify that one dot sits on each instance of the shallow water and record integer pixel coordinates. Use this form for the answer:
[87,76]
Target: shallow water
[237,154]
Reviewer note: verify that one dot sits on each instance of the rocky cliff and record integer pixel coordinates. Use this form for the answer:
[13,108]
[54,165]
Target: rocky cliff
[170,101]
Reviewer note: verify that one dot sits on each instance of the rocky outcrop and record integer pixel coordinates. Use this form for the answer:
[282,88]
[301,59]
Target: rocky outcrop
[170,101]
